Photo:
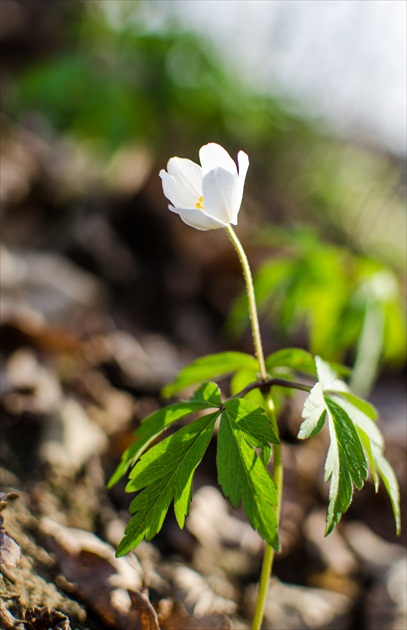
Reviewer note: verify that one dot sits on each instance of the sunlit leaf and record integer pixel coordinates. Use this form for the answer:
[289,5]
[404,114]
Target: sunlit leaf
[209,367]
[152,426]
[294,358]
[243,475]
[354,436]
[162,475]
[346,463]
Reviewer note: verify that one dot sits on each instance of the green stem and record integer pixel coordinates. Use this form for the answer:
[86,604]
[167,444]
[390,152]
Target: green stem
[268,556]
[254,319]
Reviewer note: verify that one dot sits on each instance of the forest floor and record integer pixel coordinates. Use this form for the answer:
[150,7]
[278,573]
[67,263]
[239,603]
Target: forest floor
[100,308]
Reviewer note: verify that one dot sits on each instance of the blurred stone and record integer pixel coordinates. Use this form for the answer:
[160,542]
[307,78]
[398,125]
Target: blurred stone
[29,385]
[71,438]
[373,552]
[129,169]
[204,595]
[290,607]
[50,284]
[386,603]
[173,616]
[333,549]
[226,542]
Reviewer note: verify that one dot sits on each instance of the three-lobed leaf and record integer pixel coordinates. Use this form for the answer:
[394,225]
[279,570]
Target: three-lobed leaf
[354,437]
[162,475]
[346,465]
[242,473]
[206,397]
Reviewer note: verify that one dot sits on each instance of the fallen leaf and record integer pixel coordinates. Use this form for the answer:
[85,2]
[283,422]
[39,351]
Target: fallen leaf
[108,585]
[37,618]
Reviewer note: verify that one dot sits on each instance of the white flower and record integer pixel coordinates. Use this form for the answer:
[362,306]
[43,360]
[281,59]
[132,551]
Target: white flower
[206,197]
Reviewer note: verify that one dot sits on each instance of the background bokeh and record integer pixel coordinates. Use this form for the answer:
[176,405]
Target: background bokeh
[106,293]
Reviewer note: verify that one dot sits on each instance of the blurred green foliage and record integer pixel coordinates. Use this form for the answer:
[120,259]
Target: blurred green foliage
[349,306]
[125,83]
[168,90]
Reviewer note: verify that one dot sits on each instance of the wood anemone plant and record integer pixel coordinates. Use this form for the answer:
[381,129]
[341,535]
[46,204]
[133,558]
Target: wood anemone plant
[249,463]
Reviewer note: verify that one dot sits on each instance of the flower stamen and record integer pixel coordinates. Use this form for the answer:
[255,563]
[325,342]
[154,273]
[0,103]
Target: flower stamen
[199,204]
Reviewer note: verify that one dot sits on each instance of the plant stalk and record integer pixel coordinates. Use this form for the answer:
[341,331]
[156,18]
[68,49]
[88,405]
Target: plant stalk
[254,319]
[268,556]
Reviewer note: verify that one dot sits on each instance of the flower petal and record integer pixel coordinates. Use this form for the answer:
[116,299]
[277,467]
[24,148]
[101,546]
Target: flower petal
[212,156]
[220,189]
[182,184]
[243,162]
[198,219]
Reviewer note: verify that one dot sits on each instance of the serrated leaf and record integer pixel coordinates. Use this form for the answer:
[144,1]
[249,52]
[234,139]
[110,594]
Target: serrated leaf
[373,443]
[346,464]
[209,367]
[244,477]
[206,397]
[164,474]
[353,433]
[314,413]
[391,485]
[208,393]
[252,421]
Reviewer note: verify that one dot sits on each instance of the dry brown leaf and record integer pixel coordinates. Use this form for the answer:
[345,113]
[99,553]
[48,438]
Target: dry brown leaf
[108,585]
[148,616]
[37,618]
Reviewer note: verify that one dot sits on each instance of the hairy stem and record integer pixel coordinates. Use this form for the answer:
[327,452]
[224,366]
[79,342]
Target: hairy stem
[277,463]
[254,319]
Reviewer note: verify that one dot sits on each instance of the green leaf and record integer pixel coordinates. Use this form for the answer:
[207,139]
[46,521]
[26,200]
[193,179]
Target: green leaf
[252,421]
[346,463]
[209,394]
[206,397]
[363,406]
[242,473]
[391,485]
[209,367]
[373,443]
[314,413]
[162,475]
[294,358]
[354,433]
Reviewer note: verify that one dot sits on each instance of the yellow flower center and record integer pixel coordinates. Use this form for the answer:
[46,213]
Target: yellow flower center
[200,204]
